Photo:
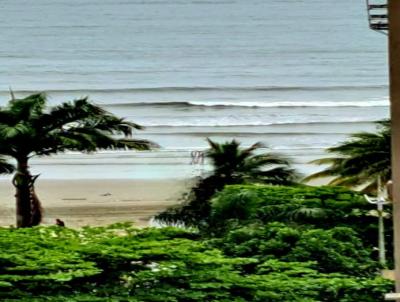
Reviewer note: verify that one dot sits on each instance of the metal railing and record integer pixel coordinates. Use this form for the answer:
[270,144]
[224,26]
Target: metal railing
[378,15]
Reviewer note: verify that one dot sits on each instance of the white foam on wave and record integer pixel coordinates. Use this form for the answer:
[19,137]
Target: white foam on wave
[246,123]
[235,103]
[376,103]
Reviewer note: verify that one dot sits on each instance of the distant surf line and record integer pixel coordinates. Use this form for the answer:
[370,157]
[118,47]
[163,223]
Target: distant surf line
[256,124]
[233,104]
[239,134]
[199,88]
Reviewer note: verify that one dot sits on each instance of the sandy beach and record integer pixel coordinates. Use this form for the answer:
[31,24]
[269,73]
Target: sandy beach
[97,202]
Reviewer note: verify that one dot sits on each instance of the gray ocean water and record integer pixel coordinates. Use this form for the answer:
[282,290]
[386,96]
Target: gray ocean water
[298,75]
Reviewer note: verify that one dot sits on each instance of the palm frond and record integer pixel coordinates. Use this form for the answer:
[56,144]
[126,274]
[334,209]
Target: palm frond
[359,160]
[281,175]
[30,128]
[268,159]
[26,108]
[304,212]
[236,164]
[321,174]
[5,167]
[327,160]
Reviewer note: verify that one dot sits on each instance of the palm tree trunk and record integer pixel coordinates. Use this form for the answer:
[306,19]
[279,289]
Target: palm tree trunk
[22,183]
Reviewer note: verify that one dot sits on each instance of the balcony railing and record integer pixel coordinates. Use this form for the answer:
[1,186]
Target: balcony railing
[378,15]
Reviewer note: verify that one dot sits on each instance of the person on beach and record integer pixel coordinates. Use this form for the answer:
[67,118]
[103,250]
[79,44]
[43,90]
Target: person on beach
[60,223]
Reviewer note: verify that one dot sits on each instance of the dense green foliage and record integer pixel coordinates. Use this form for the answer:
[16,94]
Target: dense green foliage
[300,207]
[265,244]
[231,164]
[316,207]
[120,263]
[282,203]
[333,250]
[359,161]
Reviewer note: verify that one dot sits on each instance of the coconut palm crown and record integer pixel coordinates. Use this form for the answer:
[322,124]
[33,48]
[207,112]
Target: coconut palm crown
[360,162]
[237,165]
[28,127]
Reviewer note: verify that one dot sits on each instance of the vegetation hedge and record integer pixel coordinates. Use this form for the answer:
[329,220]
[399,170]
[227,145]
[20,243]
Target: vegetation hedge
[121,263]
[282,203]
[313,207]
[336,250]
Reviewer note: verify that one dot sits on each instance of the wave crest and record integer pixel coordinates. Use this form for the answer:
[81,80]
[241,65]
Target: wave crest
[163,89]
[226,104]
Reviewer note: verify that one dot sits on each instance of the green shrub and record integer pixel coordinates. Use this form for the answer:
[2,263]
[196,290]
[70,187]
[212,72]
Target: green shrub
[121,263]
[281,203]
[314,207]
[334,250]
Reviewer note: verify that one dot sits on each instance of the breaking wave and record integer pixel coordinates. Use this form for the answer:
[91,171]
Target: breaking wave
[227,104]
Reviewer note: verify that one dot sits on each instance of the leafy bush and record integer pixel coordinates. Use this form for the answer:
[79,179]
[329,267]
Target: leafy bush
[121,263]
[300,281]
[265,244]
[283,203]
[335,250]
[320,207]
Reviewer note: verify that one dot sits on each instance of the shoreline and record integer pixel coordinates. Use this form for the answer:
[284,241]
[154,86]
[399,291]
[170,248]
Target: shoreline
[81,202]
[97,202]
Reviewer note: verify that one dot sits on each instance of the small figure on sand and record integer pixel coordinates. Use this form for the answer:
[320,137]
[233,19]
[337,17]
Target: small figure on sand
[60,223]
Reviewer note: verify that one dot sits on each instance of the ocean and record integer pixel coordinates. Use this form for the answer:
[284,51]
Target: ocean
[297,75]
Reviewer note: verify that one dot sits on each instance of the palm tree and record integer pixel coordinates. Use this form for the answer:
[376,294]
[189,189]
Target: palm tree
[231,165]
[362,161]
[29,128]
[234,164]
